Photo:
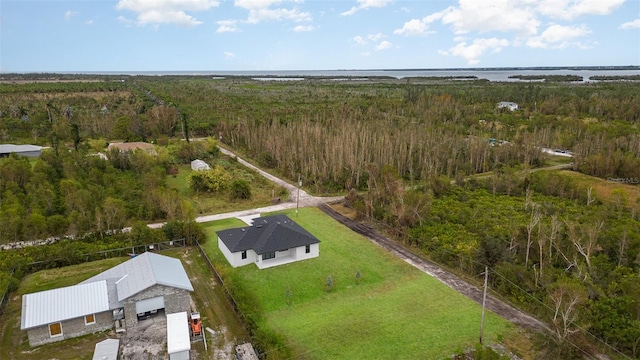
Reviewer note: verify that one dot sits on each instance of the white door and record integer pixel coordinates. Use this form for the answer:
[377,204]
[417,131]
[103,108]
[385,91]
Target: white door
[146,305]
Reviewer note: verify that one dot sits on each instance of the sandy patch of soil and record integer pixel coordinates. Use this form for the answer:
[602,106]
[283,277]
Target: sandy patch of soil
[146,341]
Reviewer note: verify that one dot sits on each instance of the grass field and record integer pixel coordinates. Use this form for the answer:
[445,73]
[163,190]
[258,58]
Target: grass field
[393,311]
[603,189]
[262,193]
[209,298]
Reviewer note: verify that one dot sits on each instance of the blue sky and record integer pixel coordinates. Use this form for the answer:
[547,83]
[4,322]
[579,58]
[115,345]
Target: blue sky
[231,35]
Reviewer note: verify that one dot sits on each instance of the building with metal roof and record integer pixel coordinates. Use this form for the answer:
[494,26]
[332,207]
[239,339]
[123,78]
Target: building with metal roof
[140,287]
[23,150]
[269,241]
[63,303]
[133,146]
[144,271]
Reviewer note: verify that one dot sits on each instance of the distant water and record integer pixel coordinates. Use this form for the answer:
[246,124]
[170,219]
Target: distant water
[489,74]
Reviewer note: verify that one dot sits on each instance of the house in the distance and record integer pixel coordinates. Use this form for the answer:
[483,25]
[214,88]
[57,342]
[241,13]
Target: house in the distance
[269,241]
[117,297]
[511,106]
[133,146]
[22,150]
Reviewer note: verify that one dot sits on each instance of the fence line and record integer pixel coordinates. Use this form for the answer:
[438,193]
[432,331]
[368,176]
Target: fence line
[233,302]
[5,296]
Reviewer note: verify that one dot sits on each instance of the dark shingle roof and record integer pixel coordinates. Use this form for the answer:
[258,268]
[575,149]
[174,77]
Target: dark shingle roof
[267,234]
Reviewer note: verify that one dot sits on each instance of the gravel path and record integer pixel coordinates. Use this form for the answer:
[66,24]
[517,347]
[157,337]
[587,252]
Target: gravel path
[499,307]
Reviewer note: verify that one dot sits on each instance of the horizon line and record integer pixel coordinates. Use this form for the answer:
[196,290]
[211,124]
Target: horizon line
[561,67]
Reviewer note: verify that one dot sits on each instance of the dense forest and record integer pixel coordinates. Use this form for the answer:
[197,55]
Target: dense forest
[564,245]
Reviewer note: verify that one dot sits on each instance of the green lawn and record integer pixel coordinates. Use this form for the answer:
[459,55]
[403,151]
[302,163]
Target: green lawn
[394,312]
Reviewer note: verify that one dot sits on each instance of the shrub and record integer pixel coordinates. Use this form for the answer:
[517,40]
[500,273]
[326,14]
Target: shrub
[240,189]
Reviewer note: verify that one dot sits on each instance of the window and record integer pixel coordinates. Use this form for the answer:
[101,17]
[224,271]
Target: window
[90,319]
[269,255]
[55,329]
[307,249]
[244,254]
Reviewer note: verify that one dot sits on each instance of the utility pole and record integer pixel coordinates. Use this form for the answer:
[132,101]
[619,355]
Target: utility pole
[484,300]
[298,197]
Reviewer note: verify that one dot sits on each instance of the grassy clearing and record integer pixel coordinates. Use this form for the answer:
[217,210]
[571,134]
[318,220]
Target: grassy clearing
[262,192]
[603,189]
[552,160]
[208,297]
[393,311]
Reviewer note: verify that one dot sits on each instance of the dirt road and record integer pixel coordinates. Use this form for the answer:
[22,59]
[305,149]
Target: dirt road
[497,306]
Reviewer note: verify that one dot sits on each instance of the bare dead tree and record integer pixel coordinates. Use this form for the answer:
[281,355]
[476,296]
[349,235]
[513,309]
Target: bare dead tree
[590,197]
[584,245]
[566,300]
[533,222]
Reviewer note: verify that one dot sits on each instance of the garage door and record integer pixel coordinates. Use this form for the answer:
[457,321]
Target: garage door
[146,305]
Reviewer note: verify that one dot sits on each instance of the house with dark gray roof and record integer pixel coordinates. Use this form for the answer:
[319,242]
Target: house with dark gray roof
[269,241]
[117,297]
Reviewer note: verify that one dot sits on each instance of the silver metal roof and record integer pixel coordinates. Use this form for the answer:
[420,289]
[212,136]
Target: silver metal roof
[144,271]
[107,350]
[65,303]
[11,148]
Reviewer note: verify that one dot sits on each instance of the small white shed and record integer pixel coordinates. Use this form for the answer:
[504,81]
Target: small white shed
[178,339]
[507,105]
[199,165]
[107,350]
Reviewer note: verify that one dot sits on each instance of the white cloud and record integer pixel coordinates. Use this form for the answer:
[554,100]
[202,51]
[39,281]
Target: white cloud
[260,10]
[558,36]
[490,15]
[412,27]
[374,37]
[69,14]
[303,28]
[157,12]
[125,21]
[384,45]
[635,24]
[472,52]
[419,26]
[571,9]
[532,23]
[366,4]
[359,40]
[88,22]
[227,26]
[156,17]
[229,55]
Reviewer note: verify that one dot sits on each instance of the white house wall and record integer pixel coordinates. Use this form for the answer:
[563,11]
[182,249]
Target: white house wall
[235,259]
[302,255]
[289,256]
